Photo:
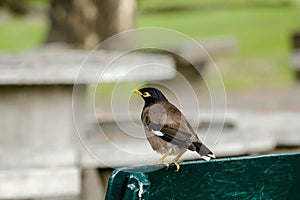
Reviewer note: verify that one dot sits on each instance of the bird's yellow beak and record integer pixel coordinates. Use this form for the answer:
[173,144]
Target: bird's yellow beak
[137,92]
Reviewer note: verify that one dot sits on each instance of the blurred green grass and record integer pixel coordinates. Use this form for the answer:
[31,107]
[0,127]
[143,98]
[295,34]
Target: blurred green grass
[262,27]
[260,30]
[19,33]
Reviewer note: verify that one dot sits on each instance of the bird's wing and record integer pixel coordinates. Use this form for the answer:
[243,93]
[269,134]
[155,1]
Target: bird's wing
[167,122]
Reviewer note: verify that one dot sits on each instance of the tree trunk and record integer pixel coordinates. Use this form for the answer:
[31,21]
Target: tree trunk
[85,23]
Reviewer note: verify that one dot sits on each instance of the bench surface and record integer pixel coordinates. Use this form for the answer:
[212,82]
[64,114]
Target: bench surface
[252,177]
[68,66]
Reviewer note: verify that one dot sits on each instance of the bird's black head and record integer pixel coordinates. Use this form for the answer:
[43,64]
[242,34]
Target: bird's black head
[150,95]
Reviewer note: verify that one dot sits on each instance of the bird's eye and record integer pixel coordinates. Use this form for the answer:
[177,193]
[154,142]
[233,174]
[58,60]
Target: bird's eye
[146,94]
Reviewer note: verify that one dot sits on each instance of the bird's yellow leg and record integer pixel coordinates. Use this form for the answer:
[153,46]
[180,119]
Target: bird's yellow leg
[175,160]
[162,159]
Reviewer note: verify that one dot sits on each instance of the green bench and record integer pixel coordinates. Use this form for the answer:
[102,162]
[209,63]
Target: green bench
[252,177]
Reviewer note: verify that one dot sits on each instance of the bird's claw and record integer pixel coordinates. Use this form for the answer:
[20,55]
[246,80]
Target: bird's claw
[164,163]
[177,166]
[168,165]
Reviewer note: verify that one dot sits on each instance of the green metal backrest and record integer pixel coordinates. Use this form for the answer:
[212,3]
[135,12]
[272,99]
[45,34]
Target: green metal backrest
[258,177]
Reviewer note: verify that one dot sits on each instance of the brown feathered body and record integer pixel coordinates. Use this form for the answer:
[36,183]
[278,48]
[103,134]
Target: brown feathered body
[177,132]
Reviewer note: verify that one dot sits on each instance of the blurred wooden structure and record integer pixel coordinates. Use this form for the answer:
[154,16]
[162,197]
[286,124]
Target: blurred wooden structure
[258,177]
[190,61]
[39,150]
[193,55]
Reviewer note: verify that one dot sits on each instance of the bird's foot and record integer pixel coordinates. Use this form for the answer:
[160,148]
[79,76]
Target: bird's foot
[164,163]
[162,159]
[177,165]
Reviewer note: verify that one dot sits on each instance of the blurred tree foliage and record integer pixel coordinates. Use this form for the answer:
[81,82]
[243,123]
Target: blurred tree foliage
[15,6]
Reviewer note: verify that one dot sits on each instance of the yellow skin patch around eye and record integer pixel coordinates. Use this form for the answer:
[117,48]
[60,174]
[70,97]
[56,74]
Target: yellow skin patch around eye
[146,94]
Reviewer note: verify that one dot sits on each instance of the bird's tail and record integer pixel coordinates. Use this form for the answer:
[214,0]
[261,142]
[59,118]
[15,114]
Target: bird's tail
[203,151]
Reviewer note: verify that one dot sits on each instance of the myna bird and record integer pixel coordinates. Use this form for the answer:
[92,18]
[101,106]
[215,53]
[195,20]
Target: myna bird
[167,130]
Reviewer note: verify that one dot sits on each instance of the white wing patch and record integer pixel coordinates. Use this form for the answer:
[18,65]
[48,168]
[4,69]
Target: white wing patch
[158,133]
[208,156]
